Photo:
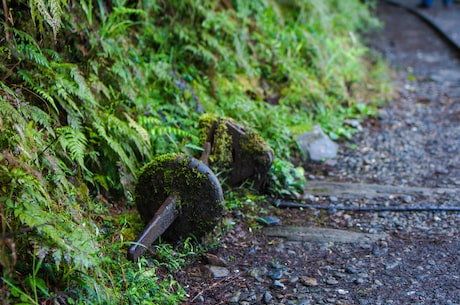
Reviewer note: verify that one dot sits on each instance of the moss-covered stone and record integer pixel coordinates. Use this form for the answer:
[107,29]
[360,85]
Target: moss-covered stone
[237,152]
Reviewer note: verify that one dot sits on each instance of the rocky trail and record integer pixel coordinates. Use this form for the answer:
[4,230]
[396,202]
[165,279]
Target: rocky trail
[408,156]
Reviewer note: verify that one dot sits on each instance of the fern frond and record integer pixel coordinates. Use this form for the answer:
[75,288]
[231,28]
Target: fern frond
[169,130]
[115,146]
[139,129]
[38,90]
[39,116]
[202,53]
[27,48]
[84,91]
[127,135]
[148,121]
[50,13]
[73,141]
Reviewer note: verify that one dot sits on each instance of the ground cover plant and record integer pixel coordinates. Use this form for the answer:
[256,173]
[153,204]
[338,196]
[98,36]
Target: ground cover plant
[91,90]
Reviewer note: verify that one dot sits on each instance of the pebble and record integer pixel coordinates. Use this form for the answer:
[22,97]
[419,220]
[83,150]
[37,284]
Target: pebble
[331,281]
[257,273]
[268,297]
[278,284]
[268,221]
[235,298]
[218,272]
[309,281]
[276,274]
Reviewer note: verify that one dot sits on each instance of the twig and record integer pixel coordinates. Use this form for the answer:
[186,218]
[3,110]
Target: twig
[8,20]
[290,204]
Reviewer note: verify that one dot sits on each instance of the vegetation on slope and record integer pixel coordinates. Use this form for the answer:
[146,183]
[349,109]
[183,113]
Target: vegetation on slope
[91,90]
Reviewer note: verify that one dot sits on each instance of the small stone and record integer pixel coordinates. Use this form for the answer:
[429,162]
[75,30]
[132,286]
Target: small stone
[339,275]
[267,297]
[217,272]
[376,250]
[253,250]
[200,299]
[309,198]
[235,298]
[278,284]
[390,266]
[406,199]
[351,270]
[342,291]
[257,273]
[317,145]
[359,281]
[293,279]
[268,221]
[276,274]
[331,281]
[309,281]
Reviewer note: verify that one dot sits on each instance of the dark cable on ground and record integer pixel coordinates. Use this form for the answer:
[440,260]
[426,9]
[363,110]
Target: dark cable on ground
[291,204]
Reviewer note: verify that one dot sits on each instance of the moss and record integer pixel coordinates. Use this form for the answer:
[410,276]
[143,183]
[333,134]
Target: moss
[221,144]
[237,153]
[254,144]
[206,122]
[200,194]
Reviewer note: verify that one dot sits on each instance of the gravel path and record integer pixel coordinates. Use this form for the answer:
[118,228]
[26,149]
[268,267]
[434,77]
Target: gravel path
[408,156]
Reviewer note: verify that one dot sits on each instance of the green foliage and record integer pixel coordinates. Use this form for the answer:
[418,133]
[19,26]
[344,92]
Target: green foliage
[287,180]
[93,89]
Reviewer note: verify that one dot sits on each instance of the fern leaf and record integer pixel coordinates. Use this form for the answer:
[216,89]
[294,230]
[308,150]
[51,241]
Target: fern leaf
[168,130]
[41,92]
[73,141]
[139,129]
[115,146]
[29,49]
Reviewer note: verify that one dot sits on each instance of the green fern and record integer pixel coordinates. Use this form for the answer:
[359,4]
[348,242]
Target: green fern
[28,49]
[75,142]
[50,12]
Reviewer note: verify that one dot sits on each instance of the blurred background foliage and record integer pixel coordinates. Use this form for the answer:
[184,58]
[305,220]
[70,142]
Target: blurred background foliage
[90,90]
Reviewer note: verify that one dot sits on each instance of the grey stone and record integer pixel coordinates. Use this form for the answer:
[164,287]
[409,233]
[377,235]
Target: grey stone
[218,272]
[235,298]
[268,221]
[276,274]
[267,297]
[317,145]
[258,273]
[278,284]
[331,281]
[303,302]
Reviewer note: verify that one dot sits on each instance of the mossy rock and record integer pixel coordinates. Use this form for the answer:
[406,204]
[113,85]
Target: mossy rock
[237,153]
[201,198]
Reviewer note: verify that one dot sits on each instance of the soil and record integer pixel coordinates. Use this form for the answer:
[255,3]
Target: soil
[407,156]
